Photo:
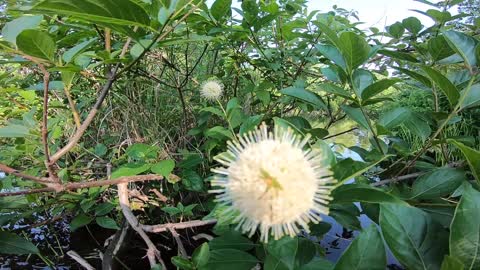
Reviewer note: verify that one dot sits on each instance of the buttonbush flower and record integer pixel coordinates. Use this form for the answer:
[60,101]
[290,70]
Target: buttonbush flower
[211,89]
[274,184]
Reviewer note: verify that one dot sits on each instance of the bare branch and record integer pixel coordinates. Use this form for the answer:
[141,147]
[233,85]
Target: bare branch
[57,187]
[177,226]
[12,171]
[74,255]
[153,253]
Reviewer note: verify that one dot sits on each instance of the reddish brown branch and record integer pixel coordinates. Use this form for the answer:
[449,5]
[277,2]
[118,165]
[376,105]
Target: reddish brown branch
[57,187]
[12,171]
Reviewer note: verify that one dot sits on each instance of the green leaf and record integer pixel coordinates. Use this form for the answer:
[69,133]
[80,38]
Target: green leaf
[465,230]
[418,126]
[396,30]
[318,263]
[291,253]
[399,55]
[220,9]
[107,223]
[182,263]
[444,84]
[231,259]
[12,28]
[424,80]
[333,54]
[100,149]
[348,168]
[377,87]
[121,12]
[70,54]
[346,215]
[130,169]
[141,151]
[472,156]
[250,123]
[80,221]
[213,110]
[336,90]
[452,263]
[192,181]
[36,43]
[231,240]
[361,79]
[437,183]
[13,244]
[362,193]
[439,48]
[412,24]
[472,98]
[354,48]
[164,167]
[416,240]
[171,210]
[14,131]
[394,118]
[356,115]
[304,95]
[366,252]
[201,255]
[104,208]
[464,45]
[219,132]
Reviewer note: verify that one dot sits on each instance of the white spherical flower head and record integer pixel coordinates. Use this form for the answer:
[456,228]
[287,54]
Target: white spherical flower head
[211,89]
[273,183]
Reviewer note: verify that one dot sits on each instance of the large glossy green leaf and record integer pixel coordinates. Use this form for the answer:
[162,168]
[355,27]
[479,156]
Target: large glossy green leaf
[12,28]
[472,156]
[396,30]
[220,8]
[356,115]
[424,80]
[130,169]
[36,43]
[354,48]
[472,99]
[334,89]
[80,221]
[377,87]
[349,168]
[437,183]
[366,252]
[463,44]
[13,244]
[201,255]
[107,223]
[289,253]
[444,84]
[121,12]
[164,167]
[394,118]
[318,263]
[412,24]
[70,54]
[346,214]
[452,263]
[233,259]
[304,95]
[361,79]
[231,240]
[333,54]
[362,193]
[439,48]
[465,230]
[14,131]
[416,240]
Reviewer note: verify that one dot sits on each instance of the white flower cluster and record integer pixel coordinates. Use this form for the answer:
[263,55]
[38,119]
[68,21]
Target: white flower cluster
[211,89]
[273,183]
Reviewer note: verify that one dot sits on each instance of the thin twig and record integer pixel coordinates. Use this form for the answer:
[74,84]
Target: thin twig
[181,248]
[396,179]
[74,255]
[177,226]
[340,133]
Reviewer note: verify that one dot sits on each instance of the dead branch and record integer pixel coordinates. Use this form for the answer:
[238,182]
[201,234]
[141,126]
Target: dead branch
[153,253]
[74,255]
[58,187]
[12,171]
[177,226]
